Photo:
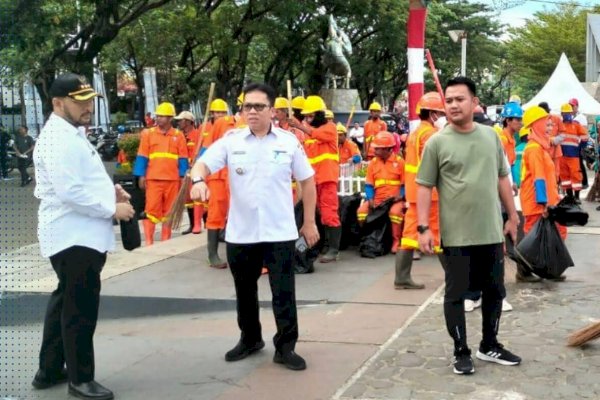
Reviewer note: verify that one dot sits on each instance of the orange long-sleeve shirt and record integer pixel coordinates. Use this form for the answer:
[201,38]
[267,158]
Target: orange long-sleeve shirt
[386,177]
[348,150]
[161,156]
[414,150]
[538,180]
[322,151]
[508,142]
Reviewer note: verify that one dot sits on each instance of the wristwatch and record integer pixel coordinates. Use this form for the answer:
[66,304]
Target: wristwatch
[422,228]
[197,179]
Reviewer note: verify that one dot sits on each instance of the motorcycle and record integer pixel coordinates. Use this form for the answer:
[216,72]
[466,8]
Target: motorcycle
[105,143]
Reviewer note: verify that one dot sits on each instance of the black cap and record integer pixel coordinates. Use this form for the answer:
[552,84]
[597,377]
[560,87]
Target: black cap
[74,86]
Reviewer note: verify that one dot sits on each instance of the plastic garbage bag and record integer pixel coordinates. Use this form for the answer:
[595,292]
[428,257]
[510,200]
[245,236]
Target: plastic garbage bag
[305,257]
[130,234]
[543,251]
[376,233]
[568,213]
[348,205]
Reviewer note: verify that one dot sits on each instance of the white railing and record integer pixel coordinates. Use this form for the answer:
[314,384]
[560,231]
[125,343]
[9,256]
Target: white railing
[348,183]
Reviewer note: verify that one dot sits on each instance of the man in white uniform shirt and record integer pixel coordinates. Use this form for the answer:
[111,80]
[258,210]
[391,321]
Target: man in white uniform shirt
[78,204]
[261,229]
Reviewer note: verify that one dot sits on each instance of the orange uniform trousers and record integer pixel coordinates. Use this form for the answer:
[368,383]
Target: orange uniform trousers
[218,204]
[570,173]
[327,201]
[396,212]
[160,195]
[410,236]
[530,221]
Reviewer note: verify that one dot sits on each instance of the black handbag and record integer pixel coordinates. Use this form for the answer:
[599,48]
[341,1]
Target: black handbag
[130,234]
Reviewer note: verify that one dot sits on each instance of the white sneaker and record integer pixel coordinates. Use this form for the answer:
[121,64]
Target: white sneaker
[470,305]
[506,306]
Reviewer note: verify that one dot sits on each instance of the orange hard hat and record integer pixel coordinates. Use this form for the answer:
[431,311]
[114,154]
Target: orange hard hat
[383,140]
[431,101]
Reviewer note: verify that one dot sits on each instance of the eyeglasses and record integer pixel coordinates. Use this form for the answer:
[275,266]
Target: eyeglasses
[247,107]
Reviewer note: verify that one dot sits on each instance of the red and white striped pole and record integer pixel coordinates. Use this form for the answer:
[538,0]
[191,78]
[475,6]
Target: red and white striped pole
[417,14]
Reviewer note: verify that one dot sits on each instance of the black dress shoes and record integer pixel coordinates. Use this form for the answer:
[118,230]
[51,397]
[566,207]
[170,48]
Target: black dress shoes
[90,390]
[290,359]
[241,351]
[43,380]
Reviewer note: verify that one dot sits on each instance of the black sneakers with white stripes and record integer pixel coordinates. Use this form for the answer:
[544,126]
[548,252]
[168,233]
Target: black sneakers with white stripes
[463,363]
[498,354]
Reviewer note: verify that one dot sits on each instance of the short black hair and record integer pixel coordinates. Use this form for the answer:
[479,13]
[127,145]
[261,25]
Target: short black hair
[424,114]
[545,106]
[261,87]
[462,80]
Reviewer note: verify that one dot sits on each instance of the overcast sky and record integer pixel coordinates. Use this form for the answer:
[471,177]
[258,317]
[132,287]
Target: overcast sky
[516,16]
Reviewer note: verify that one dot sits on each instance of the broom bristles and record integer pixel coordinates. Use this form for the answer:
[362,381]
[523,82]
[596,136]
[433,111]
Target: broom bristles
[176,212]
[584,335]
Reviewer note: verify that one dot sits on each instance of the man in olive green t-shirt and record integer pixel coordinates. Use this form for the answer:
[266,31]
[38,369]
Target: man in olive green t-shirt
[465,162]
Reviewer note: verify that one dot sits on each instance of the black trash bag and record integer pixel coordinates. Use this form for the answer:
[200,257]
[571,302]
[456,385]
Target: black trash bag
[304,258]
[348,206]
[543,251]
[376,233]
[130,234]
[568,213]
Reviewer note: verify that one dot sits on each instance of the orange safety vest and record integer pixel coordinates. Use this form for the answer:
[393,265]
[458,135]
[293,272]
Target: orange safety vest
[348,150]
[371,129]
[414,151]
[322,151]
[221,126]
[386,177]
[574,133]
[163,151]
[192,142]
[508,142]
[536,164]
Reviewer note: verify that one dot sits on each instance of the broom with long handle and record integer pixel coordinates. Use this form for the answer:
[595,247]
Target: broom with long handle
[176,211]
[584,335]
[289,96]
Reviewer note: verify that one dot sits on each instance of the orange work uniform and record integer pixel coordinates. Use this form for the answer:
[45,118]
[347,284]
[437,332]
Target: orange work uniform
[386,178]
[192,139]
[321,148]
[538,185]
[348,150]
[217,182]
[570,170]
[414,150]
[297,132]
[372,128]
[163,160]
[555,151]
[508,143]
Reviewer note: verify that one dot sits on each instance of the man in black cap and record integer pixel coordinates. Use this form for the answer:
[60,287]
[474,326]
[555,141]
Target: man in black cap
[78,205]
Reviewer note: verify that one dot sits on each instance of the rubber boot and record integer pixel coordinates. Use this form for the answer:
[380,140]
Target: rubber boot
[165,233]
[197,215]
[396,236]
[577,200]
[212,245]
[149,227]
[190,213]
[403,267]
[334,236]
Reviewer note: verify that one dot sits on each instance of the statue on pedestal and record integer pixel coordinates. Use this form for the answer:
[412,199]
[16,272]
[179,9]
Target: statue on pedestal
[336,63]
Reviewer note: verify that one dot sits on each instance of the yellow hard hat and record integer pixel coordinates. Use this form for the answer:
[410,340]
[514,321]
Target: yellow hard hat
[240,99]
[312,104]
[375,106]
[515,99]
[341,128]
[218,105]
[282,102]
[524,131]
[165,110]
[329,114]
[533,114]
[298,102]
[566,108]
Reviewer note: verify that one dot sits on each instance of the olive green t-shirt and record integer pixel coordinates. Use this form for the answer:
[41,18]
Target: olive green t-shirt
[464,167]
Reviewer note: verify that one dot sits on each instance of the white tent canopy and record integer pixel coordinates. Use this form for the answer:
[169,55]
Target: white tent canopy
[562,86]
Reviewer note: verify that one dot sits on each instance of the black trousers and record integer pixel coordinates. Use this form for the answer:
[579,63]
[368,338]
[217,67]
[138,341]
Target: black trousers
[475,268]
[246,262]
[72,314]
[22,166]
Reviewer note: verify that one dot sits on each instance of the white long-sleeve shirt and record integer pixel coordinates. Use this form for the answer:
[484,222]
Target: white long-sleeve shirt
[77,196]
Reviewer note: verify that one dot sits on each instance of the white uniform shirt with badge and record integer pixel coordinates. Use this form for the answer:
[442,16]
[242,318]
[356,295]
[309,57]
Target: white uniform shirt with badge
[77,196]
[260,178]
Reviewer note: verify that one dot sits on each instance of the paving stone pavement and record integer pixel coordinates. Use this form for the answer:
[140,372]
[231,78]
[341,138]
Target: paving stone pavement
[416,365]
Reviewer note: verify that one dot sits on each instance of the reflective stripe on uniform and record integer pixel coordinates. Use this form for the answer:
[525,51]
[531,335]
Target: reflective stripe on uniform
[381,182]
[323,157]
[411,168]
[411,243]
[395,219]
[160,154]
[310,141]
[153,219]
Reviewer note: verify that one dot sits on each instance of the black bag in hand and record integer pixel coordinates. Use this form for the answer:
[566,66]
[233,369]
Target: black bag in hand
[568,213]
[130,234]
[348,205]
[543,251]
[376,235]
